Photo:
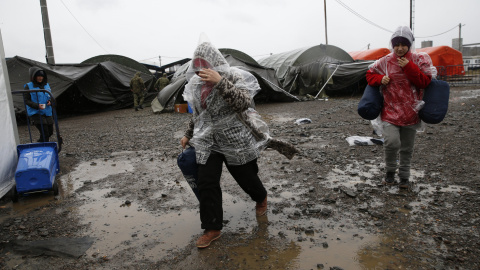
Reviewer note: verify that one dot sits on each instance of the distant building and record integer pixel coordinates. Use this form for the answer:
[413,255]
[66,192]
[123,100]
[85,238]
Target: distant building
[427,43]
[457,44]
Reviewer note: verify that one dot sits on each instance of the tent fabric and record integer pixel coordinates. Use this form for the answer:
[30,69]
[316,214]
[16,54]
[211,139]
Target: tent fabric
[120,59]
[372,54]
[169,94]
[239,55]
[8,136]
[81,87]
[307,70]
[300,57]
[447,60]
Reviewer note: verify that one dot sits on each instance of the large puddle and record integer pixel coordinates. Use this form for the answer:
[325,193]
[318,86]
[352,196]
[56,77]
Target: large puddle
[276,241]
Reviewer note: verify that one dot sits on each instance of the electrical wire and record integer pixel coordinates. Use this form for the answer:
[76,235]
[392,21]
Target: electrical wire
[361,17]
[440,33]
[82,26]
[376,25]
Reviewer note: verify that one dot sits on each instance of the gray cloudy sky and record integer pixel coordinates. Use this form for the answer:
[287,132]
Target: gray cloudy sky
[146,29]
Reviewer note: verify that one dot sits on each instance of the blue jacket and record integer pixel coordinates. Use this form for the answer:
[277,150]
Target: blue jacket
[40,98]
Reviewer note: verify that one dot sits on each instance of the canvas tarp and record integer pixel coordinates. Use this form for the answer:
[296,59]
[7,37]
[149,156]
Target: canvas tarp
[8,136]
[308,70]
[81,87]
[447,60]
[372,54]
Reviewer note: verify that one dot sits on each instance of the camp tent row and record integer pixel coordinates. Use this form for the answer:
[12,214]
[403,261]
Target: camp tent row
[447,60]
[80,88]
[102,82]
[287,75]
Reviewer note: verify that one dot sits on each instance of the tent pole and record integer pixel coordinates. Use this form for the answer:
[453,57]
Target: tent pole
[327,81]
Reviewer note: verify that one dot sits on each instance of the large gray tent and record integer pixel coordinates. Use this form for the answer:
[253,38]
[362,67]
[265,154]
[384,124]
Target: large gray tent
[307,70]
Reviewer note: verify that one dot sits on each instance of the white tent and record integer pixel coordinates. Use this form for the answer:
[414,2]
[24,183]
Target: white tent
[8,126]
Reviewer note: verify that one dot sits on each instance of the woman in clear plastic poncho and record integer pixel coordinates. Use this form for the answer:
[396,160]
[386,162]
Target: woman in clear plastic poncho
[402,75]
[221,98]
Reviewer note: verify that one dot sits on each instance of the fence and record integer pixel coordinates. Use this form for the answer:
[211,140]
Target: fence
[459,75]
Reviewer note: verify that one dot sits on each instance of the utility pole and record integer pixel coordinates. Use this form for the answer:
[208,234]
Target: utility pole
[325,9]
[460,37]
[159,60]
[412,15]
[46,33]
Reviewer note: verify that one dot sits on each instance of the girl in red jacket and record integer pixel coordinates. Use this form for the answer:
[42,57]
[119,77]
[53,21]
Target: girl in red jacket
[402,75]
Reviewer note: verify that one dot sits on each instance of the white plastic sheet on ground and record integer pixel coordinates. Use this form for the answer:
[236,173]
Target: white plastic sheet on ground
[8,127]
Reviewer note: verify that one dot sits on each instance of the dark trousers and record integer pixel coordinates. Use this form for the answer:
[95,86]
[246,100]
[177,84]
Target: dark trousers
[47,132]
[211,210]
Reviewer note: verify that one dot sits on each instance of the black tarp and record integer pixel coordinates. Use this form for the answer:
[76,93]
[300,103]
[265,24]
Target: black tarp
[80,88]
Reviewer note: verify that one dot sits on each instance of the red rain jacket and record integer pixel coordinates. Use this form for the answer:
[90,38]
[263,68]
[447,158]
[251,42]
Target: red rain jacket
[405,89]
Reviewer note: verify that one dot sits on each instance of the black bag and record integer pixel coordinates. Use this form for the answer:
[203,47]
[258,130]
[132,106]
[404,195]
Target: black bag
[187,163]
[436,97]
[371,103]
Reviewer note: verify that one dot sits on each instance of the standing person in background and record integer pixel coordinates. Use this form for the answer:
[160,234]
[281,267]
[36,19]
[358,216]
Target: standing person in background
[161,82]
[39,105]
[403,75]
[138,88]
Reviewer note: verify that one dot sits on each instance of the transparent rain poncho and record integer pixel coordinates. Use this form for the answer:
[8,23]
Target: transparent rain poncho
[403,98]
[239,135]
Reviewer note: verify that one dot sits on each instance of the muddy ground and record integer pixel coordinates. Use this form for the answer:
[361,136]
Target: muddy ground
[124,204]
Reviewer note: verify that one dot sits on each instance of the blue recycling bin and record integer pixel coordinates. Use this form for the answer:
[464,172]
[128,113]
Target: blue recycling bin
[37,167]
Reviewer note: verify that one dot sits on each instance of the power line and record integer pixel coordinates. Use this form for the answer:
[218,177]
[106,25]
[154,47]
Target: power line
[440,33]
[160,56]
[361,17]
[376,25]
[82,26]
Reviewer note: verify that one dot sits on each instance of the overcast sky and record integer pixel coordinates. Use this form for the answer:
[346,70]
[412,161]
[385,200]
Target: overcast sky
[146,29]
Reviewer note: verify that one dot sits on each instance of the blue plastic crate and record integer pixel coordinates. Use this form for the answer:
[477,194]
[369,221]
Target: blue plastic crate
[37,167]
[189,109]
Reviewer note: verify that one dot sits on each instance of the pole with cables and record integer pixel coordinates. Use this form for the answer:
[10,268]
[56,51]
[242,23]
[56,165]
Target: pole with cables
[325,9]
[46,33]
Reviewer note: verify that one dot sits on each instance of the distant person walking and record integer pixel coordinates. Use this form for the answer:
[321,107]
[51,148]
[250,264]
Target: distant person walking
[138,88]
[161,82]
[39,105]
[402,75]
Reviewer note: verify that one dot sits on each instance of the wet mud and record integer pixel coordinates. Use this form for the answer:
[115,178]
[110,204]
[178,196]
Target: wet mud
[120,186]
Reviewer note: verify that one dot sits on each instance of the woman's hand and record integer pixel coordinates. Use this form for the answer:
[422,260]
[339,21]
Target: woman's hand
[385,80]
[49,103]
[184,141]
[209,75]
[402,61]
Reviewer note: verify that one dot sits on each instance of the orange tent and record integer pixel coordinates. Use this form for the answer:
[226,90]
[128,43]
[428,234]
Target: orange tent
[447,60]
[372,54]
